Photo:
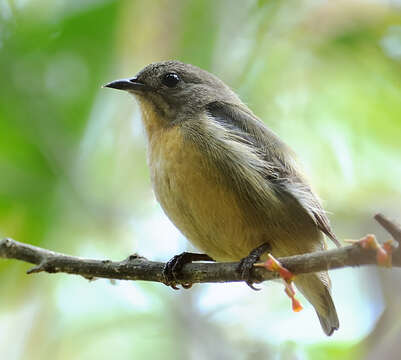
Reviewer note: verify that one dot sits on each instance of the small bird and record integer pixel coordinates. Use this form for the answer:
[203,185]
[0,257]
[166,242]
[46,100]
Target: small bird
[228,183]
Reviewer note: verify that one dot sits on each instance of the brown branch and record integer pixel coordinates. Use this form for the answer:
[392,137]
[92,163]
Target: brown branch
[139,268]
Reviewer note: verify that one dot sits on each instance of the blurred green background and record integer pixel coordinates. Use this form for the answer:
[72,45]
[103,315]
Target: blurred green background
[325,75]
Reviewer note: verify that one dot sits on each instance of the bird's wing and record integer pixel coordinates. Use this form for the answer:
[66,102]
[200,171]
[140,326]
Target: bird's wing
[276,164]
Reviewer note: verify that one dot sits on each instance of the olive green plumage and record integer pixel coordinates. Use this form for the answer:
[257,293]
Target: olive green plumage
[224,179]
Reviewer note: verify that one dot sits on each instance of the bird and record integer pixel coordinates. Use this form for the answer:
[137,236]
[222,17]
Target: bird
[228,182]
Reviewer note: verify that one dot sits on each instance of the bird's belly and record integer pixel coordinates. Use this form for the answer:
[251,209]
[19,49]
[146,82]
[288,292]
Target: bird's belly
[196,200]
[208,217]
[204,208]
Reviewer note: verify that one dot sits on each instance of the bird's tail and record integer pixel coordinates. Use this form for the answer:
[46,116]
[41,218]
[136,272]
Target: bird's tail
[316,289]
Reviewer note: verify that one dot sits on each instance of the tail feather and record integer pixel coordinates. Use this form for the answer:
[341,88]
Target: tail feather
[329,321]
[316,289]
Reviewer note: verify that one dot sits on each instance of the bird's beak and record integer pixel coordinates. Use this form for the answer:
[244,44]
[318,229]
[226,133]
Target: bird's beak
[132,84]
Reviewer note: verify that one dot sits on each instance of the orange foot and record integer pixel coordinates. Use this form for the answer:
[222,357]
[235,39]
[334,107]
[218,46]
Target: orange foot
[273,264]
[383,252]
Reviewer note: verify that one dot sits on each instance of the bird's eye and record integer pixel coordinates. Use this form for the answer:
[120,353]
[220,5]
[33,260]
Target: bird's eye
[171,80]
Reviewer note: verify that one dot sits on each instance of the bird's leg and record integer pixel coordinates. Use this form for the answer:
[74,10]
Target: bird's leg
[383,251]
[246,264]
[272,264]
[175,264]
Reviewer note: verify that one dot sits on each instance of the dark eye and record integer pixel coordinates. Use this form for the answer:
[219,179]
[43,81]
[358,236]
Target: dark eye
[171,80]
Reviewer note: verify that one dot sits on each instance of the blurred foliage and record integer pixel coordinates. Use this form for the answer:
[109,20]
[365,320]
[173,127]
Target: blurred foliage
[324,75]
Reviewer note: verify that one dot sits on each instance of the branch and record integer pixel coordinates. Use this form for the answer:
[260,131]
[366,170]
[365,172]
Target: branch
[136,267]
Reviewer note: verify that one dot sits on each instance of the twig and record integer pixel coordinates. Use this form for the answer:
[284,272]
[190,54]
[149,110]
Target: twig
[139,268]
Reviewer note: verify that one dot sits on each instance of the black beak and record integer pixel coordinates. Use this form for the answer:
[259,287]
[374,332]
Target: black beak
[127,84]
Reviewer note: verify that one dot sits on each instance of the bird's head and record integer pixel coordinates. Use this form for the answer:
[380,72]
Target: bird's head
[174,90]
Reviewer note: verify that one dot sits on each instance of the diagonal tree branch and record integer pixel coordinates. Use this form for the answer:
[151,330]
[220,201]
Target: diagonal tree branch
[136,267]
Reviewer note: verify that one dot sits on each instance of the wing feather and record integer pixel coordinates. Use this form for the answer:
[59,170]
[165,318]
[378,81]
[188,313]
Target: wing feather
[272,159]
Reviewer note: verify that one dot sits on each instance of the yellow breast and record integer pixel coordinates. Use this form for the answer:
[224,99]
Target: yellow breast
[192,196]
[199,202]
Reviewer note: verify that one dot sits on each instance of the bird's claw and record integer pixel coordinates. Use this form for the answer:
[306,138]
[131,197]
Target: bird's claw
[383,251]
[171,271]
[174,266]
[246,265]
[253,287]
[272,264]
[245,269]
